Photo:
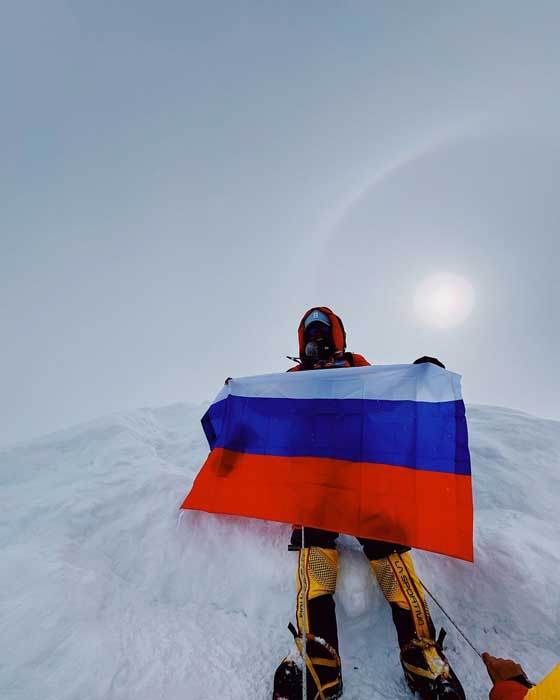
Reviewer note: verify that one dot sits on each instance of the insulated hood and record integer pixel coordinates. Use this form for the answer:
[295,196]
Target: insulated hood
[337,329]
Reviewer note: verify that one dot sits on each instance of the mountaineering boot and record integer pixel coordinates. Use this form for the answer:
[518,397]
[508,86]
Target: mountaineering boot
[288,679]
[428,673]
[315,610]
[324,681]
[426,669]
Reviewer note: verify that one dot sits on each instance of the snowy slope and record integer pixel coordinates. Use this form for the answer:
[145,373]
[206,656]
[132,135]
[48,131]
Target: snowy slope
[107,591]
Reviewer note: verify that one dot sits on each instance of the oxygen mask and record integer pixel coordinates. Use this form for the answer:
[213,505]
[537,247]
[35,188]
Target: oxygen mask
[319,345]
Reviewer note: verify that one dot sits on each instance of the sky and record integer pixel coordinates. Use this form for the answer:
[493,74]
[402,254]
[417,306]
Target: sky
[181,181]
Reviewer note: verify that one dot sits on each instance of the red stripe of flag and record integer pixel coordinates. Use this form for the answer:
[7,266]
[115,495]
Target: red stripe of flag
[423,509]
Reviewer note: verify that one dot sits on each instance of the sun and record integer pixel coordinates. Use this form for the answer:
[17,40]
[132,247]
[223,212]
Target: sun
[444,300]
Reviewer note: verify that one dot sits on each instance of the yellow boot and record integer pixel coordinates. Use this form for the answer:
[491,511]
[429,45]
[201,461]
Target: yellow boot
[426,669]
[315,611]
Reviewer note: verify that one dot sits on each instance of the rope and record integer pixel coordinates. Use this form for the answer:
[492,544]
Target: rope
[448,616]
[467,640]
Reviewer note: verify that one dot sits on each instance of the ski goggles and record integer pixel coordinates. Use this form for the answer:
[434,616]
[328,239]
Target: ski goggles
[317,330]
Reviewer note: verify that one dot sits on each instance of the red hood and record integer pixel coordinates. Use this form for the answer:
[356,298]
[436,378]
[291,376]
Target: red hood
[338,332]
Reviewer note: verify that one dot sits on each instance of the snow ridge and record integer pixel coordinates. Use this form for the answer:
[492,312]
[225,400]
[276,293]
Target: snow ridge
[108,591]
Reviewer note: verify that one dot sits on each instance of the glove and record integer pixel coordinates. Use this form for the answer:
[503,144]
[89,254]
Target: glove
[433,360]
[504,670]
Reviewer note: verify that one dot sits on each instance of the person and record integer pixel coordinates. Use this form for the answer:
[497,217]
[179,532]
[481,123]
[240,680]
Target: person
[511,682]
[322,345]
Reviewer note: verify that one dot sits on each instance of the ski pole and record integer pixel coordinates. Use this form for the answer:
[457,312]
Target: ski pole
[303,615]
[310,666]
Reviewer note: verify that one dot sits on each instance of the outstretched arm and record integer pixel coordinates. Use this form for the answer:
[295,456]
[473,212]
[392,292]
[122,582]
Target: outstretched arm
[510,681]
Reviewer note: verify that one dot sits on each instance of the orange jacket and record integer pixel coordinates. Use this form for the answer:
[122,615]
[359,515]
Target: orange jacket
[547,689]
[339,339]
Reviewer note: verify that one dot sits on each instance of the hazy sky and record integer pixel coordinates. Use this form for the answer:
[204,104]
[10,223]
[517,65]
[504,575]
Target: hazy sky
[181,181]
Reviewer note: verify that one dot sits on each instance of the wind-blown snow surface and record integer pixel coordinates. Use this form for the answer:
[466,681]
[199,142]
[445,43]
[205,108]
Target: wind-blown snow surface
[107,591]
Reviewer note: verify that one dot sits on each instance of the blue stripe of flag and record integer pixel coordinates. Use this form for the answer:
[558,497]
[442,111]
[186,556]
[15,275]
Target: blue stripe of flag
[414,434]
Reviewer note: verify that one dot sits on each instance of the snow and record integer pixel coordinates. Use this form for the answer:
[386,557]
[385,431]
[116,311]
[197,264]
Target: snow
[108,591]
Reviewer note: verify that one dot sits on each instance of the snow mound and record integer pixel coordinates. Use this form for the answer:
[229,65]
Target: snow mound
[108,591]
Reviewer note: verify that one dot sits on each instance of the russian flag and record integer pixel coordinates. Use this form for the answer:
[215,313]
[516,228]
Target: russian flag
[378,452]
